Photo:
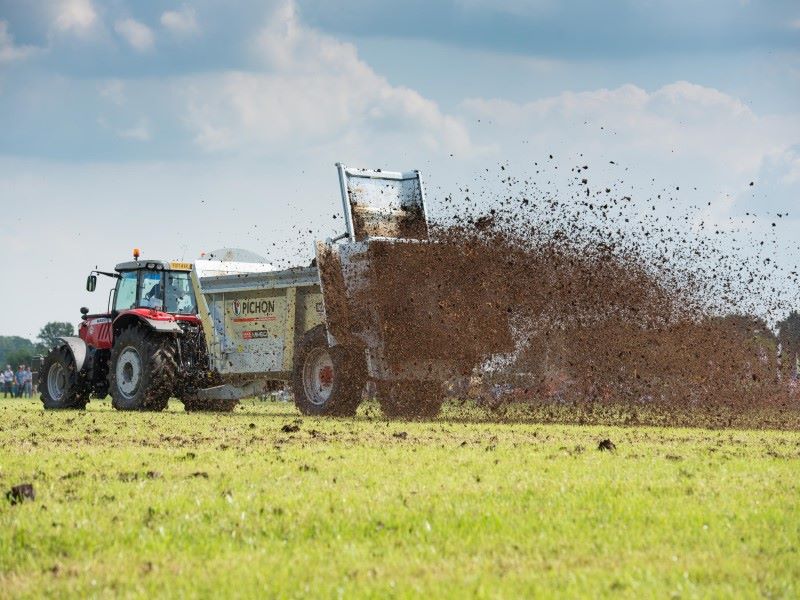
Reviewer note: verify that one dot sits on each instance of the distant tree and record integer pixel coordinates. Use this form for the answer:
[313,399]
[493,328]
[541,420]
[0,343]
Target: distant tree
[49,334]
[13,347]
[20,357]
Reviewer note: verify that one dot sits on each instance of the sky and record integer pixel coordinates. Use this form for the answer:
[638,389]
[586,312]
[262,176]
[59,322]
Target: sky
[181,127]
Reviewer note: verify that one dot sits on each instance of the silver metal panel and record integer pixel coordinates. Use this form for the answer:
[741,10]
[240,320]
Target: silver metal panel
[78,349]
[240,282]
[218,343]
[219,392]
[348,214]
[164,326]
[263,355]
[230,391]
[229,350]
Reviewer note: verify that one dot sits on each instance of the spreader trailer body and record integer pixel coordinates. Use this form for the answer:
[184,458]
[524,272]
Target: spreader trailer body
[362,312]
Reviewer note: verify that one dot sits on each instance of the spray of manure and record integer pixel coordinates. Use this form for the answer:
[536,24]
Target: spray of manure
[597,300]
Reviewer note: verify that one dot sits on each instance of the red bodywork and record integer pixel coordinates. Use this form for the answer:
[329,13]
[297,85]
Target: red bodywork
[98,330]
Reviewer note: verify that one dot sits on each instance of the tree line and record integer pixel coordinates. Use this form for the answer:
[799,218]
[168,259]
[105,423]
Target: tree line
[16,350]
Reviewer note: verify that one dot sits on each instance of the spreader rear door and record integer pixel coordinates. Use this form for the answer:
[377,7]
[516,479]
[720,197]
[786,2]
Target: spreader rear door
[383,204]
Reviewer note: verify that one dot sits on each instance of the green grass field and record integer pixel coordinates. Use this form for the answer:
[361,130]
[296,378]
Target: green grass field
[178,505]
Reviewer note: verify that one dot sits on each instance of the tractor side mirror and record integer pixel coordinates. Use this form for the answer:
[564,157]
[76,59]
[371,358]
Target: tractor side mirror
[91,283]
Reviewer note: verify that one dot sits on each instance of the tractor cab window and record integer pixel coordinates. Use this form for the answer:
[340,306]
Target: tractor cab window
[125,298]
[168,291]
[179,296]
[151,290]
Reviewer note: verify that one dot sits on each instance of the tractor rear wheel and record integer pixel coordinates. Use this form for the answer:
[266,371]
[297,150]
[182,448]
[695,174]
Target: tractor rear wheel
[327,380]
[410,399]
[143,370]
[60,384]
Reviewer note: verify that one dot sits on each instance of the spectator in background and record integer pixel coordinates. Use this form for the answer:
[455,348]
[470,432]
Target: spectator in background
[20,380]
[28,383]
[7,377]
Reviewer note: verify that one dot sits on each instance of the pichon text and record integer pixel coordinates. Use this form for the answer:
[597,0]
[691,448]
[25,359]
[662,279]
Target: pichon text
[253,307]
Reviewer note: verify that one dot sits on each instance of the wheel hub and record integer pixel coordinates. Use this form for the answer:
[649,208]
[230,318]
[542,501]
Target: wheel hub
[318,376]
[57,381]
[129,372]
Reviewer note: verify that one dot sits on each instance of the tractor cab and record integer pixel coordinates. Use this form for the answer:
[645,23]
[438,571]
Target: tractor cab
[154,284]
[157,285]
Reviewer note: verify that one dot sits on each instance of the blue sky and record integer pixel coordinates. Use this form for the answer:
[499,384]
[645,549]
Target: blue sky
[186,126]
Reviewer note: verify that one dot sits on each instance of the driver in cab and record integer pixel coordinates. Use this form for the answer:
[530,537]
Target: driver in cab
[153,298]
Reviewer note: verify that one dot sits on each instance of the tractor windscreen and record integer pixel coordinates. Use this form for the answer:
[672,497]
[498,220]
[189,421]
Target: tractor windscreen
[169,291]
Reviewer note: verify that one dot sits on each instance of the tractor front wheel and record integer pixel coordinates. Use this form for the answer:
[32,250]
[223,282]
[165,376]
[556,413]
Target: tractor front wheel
[143,370]
[61,386]
[327,380]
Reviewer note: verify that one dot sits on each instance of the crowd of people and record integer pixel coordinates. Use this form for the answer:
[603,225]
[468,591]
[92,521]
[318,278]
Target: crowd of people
[19,384]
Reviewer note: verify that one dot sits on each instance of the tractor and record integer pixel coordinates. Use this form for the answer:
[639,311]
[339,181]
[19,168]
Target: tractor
[147,347]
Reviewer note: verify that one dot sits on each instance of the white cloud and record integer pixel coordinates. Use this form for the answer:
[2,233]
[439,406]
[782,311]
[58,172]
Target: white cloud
[9,52]
[140,132]
[182,22]
[680,145]
[137,34]
[679,120]
[795,24]
[315,89]
[114,90]
[75,16]
[792,172]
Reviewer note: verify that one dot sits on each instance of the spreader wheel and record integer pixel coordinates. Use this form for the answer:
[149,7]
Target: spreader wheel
[143,370]
[326,380]
[410,399]
[60,384]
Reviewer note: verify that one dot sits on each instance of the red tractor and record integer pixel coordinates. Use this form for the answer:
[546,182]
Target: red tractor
[147,347]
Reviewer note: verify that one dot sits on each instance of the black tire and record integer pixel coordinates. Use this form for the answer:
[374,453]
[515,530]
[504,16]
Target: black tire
[209,405]
[327,380]
[410,399]
[143,370]
[61,386]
